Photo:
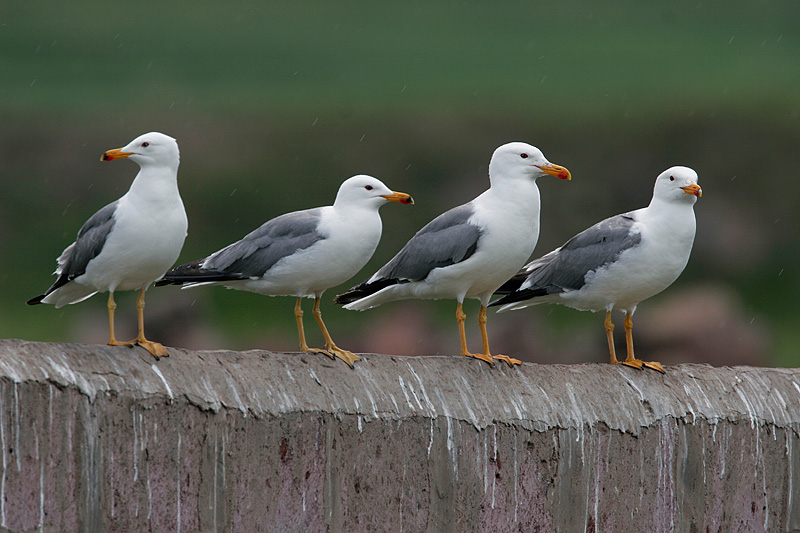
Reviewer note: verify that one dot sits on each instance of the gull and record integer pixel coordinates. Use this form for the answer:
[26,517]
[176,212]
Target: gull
[302,253]
[131,242]
[618,262]
[470,250]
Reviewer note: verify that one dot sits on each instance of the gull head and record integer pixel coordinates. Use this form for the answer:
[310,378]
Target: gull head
[150,149]
[365,190]
[518,160]
[678,184]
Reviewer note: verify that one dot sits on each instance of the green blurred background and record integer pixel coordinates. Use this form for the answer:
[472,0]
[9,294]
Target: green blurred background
[275,103]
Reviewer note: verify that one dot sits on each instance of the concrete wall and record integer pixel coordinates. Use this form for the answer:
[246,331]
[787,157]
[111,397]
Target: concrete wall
[95,438]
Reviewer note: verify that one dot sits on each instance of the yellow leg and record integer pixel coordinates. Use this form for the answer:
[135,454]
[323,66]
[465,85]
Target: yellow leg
[298,315]
[304,347]
[156,350]
[629,337]
[610,336]
[631,360]
[112,306]
[485,337]
[461,317]
[345,355]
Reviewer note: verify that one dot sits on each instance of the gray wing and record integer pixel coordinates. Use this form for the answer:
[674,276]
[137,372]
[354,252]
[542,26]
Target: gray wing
[258,251]
[587,251]
[565,268]
[446,240]
[91,239]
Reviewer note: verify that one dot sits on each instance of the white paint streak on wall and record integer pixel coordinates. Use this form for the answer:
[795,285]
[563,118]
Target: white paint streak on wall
[163,380]
[3,451]
[179,469]
[17,450]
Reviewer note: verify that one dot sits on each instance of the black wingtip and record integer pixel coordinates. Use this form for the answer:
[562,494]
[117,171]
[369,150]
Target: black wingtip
[178,275]
[521,296]
[37,300]
[194,273]
[512,284]
[365,289]
[499,301]
[350,296]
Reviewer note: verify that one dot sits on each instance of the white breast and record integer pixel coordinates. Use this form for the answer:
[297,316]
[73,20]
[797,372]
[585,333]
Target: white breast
[144,243]
[644,270]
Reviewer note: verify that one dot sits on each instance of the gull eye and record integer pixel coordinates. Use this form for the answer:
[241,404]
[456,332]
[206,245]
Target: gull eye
[145,144]
[672,178]
[523,156]
[368,187]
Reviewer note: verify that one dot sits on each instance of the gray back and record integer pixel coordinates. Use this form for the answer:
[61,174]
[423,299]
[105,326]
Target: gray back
[258,251]
[446,240]
[566,268]
[91,239]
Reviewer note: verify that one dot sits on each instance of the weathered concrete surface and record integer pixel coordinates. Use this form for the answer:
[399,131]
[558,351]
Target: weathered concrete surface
[95,438]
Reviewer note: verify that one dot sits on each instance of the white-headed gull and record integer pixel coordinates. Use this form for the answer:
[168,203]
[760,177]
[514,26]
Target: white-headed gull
[618,262]
[130,243]
[470,250]
[302,253]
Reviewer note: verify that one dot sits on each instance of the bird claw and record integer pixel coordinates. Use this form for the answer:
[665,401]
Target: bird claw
[319,351]
[122,343]
[156,349]
[345,355]
[482,357]
[510,360]
[639,364]
[633,363]
[655,365]
[333,352]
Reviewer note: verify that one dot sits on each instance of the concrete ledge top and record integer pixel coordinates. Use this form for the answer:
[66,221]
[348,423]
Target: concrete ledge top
[539,397]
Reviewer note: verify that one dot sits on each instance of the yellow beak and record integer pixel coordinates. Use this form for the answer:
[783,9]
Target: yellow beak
[555,170]
[693,189]
[116,153]
[401,197]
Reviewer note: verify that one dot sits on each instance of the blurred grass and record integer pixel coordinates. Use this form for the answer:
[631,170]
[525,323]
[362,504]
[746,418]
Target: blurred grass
[250,58]
[275,103]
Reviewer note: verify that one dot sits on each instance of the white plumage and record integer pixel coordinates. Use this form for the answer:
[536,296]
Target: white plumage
[618,262]
[131,242]
[302,253]
[469,251]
